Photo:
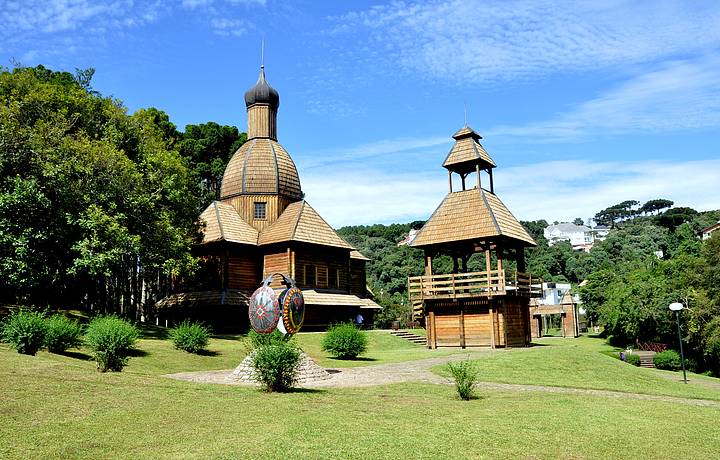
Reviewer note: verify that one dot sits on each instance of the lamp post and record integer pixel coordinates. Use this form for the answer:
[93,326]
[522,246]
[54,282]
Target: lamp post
[676,307]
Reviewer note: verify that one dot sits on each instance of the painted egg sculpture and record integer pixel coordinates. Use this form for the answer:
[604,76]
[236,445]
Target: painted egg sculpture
[292,305]
[264,310]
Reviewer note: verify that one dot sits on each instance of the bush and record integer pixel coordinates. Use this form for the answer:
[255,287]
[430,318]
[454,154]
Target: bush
[345,341]
[190,337]
[258,340]
[668,360]
[25,331]
[632,359]
[465,375]
[276,366]
[111,340]
[62,333]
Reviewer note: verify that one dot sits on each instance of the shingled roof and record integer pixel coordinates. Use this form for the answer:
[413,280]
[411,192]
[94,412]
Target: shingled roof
[466,151]
[471,215]
[223,223]
[300,222]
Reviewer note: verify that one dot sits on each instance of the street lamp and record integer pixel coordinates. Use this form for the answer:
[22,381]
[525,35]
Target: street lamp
[676,307]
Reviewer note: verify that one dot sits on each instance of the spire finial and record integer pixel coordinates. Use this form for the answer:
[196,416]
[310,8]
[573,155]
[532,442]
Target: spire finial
[465,111]
[262,53]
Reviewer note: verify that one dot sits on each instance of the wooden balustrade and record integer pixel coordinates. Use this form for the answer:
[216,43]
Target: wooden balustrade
[474,284]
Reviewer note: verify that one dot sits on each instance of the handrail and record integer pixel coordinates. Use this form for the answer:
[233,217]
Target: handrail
[474,284]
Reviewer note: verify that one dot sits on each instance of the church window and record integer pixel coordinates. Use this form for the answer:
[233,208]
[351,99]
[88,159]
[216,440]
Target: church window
[259,210]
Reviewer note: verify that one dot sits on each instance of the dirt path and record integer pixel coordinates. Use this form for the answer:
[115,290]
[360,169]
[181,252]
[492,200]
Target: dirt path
[419,371]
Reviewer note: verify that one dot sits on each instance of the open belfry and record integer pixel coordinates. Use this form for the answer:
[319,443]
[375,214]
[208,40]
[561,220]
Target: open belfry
[262,225]
[479,308]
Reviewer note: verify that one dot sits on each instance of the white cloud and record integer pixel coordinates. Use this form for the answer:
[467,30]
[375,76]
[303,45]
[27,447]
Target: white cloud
[229,27]
[399,146]
[679,95]
[473,41]
[556,190]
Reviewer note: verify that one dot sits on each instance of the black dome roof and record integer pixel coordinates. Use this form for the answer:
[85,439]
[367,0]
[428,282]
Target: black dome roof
[262,93]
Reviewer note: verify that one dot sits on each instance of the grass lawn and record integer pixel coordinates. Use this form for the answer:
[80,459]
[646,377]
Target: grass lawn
[60,407]
[580,363]
[382,348]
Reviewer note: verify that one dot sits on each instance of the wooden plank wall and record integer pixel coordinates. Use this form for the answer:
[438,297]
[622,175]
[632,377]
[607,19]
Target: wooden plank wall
[242,273]
[245,206]
[357,277]
[276,263]
[475,325]
[333,260]
[262,122]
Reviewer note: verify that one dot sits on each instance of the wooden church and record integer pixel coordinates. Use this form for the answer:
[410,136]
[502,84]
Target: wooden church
[262,225]
[488,308]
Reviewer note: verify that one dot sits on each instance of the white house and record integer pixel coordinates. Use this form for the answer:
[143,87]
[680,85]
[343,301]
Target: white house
[579,236]
[706,232]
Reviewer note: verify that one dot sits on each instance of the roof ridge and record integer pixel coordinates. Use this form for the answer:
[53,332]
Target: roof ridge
[490,211]
[297,221]
[245,163]
[277,167]
[217,216]
[419,232]
[328,225]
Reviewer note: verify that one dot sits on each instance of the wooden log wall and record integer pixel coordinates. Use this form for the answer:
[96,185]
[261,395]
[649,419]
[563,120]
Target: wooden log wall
[358,281]
[242,273]
[278,262]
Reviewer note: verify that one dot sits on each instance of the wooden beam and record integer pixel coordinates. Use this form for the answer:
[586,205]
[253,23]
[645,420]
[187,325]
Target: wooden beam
[492,327]
[477,171]
[450,180]
[492,185]
[432,343]
[462,327]
[428,264]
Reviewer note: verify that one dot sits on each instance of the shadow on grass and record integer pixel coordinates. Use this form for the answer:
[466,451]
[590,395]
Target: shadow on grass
[359,358]
[227,336]
[307,390]
[137,353]
[208,353]
[148,331]
[76,355]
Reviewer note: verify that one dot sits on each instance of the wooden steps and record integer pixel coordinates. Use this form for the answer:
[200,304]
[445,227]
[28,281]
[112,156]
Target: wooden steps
[646,358]
[410,336]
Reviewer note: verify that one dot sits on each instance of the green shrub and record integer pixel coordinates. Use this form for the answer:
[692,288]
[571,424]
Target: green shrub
[465,375]
[276,366]
[274,338]
[111,340]
[190,337]
[668,360]
[25,331]
[345,341]
[62,333]
[632,359]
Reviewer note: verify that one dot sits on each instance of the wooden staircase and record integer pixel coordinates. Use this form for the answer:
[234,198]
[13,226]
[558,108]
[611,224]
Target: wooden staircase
[410,336]
[646,358]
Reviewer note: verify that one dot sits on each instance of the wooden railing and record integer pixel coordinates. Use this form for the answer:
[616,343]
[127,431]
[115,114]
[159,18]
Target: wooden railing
[474,284]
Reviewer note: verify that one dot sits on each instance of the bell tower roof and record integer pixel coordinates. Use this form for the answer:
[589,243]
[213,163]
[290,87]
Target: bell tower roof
[467,152]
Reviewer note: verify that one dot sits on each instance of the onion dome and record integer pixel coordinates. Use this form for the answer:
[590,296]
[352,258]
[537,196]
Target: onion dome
[261,166]
[262,93]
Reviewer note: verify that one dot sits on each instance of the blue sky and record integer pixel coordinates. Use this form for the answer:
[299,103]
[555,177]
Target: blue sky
[581,104]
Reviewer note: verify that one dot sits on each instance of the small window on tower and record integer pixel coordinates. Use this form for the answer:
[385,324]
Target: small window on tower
[260,210]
